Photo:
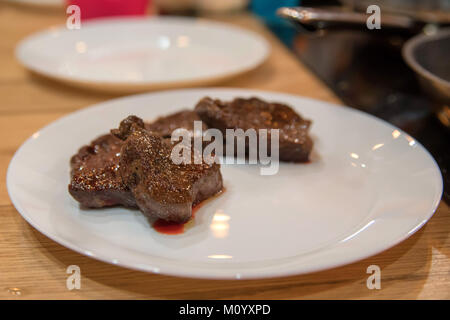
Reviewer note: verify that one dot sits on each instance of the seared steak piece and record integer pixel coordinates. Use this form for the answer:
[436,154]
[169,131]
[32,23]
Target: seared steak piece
[295,144]
[161,188]
[167,124]
[95,181]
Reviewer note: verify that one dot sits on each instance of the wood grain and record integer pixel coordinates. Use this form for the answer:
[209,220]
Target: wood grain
[417,268]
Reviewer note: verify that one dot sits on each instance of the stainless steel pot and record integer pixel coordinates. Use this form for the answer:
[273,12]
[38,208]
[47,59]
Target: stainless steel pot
[429,57]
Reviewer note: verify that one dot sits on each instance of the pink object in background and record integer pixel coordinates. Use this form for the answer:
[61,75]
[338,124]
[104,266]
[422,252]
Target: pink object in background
[106,8]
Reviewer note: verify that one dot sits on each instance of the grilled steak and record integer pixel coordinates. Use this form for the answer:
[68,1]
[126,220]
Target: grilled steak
[294,143]
[161,188]
[95,181]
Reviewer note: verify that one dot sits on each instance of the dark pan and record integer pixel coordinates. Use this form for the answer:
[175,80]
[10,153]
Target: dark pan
[429,57]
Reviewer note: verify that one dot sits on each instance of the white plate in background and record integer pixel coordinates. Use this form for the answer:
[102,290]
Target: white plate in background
[40,3]
[133,54]
[368,187]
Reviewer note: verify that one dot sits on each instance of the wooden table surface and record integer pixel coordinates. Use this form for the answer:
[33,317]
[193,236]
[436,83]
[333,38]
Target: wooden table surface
[34,267]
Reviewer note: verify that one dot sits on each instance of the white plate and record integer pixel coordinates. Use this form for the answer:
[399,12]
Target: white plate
[40,3]
[368,187]
[132,54]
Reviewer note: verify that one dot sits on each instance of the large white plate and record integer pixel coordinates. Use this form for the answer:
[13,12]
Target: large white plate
[368,187]
[132,54]
[40,3]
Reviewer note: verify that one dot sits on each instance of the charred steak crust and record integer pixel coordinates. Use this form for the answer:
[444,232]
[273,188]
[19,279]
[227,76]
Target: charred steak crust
[125,126]
[161,188]
[294,145]
[166,125]
[95,181]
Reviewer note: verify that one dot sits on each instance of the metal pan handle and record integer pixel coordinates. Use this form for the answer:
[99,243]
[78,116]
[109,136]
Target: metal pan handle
[313,19]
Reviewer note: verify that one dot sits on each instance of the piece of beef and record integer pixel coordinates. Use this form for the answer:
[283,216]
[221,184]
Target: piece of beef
[294,142]
[95,181]
[161,188]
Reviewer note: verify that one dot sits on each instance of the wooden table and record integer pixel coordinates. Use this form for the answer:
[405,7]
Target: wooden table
[417,268]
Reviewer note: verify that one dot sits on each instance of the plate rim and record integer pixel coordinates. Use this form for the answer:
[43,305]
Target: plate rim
[217,274]
[37,5]
[135,87]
